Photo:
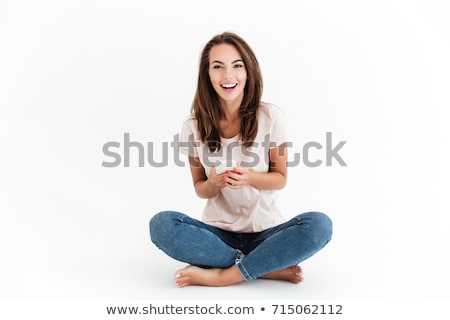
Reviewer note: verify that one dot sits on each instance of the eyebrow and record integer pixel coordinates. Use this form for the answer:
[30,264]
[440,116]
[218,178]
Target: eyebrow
[217,61]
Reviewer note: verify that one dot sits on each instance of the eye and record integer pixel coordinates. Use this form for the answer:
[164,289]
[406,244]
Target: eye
[238,65]
[216,66]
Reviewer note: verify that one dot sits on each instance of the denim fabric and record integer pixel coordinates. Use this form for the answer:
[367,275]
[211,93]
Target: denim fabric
[255,254]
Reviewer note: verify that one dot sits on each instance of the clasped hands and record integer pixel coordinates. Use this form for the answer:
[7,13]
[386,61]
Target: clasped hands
[233,179]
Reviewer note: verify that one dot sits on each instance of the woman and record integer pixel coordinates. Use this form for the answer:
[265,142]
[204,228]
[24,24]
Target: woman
[242,235]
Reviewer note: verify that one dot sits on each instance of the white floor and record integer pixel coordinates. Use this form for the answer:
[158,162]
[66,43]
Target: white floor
[132,268]
[152,278]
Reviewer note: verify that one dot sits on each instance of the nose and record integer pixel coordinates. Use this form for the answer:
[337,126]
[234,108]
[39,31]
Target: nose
[228,73]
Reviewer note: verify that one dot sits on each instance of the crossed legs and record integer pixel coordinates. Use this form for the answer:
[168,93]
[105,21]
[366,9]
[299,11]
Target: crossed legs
[213,262]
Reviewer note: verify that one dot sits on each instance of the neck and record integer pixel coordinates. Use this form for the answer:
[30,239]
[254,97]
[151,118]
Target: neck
[230,110]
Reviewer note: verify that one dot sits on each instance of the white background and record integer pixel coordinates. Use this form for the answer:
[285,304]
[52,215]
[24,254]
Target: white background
[77,74]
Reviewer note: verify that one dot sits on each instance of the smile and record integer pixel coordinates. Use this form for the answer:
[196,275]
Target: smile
[229,85]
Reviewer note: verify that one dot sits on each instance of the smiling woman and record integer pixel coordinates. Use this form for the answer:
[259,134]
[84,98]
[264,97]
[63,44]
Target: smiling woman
[227,74]
[242,235]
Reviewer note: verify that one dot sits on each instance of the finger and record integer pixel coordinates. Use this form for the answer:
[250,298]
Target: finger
[222,181]
[235,185]
[234,176]
[240,170]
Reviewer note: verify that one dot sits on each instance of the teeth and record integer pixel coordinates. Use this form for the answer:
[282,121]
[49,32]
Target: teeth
[228,86]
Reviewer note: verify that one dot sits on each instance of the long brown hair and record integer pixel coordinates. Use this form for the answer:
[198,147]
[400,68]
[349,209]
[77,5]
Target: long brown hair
[206,106]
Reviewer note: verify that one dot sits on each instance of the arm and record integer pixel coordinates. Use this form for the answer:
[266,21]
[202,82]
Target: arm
[274,179]
[204,187]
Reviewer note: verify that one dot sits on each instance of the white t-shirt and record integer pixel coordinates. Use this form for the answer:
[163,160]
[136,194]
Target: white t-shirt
[246,209]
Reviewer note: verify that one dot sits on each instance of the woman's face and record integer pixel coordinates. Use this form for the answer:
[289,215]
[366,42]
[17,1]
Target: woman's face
[227,72]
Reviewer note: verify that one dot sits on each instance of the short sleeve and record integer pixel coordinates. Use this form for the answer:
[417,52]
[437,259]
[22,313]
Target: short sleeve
[279,131]
[188,144]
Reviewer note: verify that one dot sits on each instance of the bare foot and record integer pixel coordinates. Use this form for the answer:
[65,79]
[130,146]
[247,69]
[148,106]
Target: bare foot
[192,275]
[292,274]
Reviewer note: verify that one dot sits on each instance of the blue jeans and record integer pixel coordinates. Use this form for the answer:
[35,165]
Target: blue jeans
[255,254]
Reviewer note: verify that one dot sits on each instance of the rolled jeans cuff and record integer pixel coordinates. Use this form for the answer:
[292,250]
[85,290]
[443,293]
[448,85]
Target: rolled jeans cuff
[241,268]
